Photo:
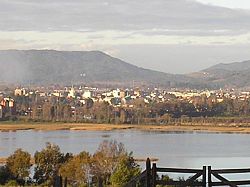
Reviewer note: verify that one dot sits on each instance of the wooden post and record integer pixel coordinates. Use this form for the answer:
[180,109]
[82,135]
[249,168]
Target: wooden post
[154,173]
[209,177]
[61,181]
[148,172]
[100,182]
[57,182]
[204,176]
[65,182]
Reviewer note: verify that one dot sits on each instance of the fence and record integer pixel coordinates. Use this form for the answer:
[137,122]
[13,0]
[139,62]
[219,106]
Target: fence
[223,181]
[149,177]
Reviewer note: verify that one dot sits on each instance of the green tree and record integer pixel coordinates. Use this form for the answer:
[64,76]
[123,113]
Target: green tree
[47,163]
[12,183]
[5,175]
[19,164]
[126,169]
[77,169]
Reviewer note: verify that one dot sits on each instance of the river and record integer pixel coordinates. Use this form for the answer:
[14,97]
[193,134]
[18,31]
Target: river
[173,149]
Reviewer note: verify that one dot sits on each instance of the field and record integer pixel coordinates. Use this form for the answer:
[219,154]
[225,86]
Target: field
[223,128]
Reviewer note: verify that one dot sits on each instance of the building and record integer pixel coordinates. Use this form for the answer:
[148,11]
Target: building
[1,112]
[8,106]
[72,93]
[87,94]
[20,92]
[116,93]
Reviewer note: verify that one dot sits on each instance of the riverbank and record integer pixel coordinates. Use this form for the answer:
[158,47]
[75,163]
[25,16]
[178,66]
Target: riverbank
[220,128]
[3,160]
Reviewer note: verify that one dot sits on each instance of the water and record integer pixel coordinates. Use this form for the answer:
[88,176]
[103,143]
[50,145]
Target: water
[173,149]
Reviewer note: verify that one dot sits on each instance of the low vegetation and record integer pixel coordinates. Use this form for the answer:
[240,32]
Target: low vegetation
[110,165]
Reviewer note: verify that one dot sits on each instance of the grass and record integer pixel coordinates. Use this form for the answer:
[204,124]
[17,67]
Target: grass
[205,127]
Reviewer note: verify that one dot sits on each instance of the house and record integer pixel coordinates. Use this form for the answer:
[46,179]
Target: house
[116,93]
[72,93]
[20,92]
[87,94]
[1,111]
[8,106]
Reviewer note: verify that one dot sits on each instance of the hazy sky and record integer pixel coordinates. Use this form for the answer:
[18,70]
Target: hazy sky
[176,36]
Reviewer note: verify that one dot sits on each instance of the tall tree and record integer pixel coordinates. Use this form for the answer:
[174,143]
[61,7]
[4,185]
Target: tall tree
[106,159]
[77,169]
[19,164]
[47,163]
[125,171]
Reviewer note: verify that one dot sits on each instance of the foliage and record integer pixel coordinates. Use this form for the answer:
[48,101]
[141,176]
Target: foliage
[165,178]
[77,169]
[172,110]
[47,163]
[126,169]
[19,164]
[106,159]
[5,175]
[12,183]
[111,164]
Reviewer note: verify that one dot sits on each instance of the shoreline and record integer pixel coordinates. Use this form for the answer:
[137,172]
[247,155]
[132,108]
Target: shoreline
[3,160]
[215,128]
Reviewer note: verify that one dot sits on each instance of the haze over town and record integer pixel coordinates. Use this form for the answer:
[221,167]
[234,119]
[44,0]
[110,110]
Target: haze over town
[175,36]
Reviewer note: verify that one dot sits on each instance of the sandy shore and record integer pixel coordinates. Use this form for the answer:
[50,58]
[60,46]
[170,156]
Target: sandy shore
[223,128]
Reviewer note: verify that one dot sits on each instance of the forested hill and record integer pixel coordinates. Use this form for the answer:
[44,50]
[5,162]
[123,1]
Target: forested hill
[67,67]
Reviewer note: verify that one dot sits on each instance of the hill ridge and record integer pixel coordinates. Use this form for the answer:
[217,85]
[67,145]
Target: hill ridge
[53,66]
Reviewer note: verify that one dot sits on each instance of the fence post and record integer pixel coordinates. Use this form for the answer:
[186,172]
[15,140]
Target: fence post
[209,177]
[148,172]
[65,182]
[57,181]
[61,181]
[154,173]
[204,176]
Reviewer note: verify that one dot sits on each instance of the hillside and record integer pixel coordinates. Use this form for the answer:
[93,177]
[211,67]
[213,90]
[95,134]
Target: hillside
[235,74]
[70,67]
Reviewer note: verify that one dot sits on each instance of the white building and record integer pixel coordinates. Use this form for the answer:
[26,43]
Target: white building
[72,93]
[87,94]
[1,111]
[20,92]
[117,93]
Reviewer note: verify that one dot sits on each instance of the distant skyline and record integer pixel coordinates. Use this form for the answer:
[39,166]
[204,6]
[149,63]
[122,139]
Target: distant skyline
[174,36]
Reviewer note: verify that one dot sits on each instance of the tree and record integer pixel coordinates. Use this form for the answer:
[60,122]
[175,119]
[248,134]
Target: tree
[126,169]
[5,175]
[46,111]
[101,112]
[77,169]
[106,159]
[47,163]
[19,164]
[66,110]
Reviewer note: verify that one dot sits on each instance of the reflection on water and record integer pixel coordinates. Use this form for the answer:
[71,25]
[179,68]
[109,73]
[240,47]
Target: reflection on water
[174,149]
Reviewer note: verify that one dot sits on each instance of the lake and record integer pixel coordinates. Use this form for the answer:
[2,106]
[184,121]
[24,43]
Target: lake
[173,149]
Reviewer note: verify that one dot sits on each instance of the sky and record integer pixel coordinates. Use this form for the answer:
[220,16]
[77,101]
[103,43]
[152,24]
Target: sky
[173,36]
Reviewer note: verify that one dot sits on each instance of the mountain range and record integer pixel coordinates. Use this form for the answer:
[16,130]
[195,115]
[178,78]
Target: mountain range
[45,67]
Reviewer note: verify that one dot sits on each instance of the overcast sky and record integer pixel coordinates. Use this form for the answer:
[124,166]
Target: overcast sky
[176,36]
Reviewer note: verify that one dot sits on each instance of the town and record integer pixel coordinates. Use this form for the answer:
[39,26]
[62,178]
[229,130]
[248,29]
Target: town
[121,106]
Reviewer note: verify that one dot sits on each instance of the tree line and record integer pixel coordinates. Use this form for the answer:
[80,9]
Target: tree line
[136,111]
[110,165]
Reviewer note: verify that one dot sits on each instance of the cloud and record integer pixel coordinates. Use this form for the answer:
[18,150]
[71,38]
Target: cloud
[240,4]
[130,30]
[93,40]
[120,22]
[64,15]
